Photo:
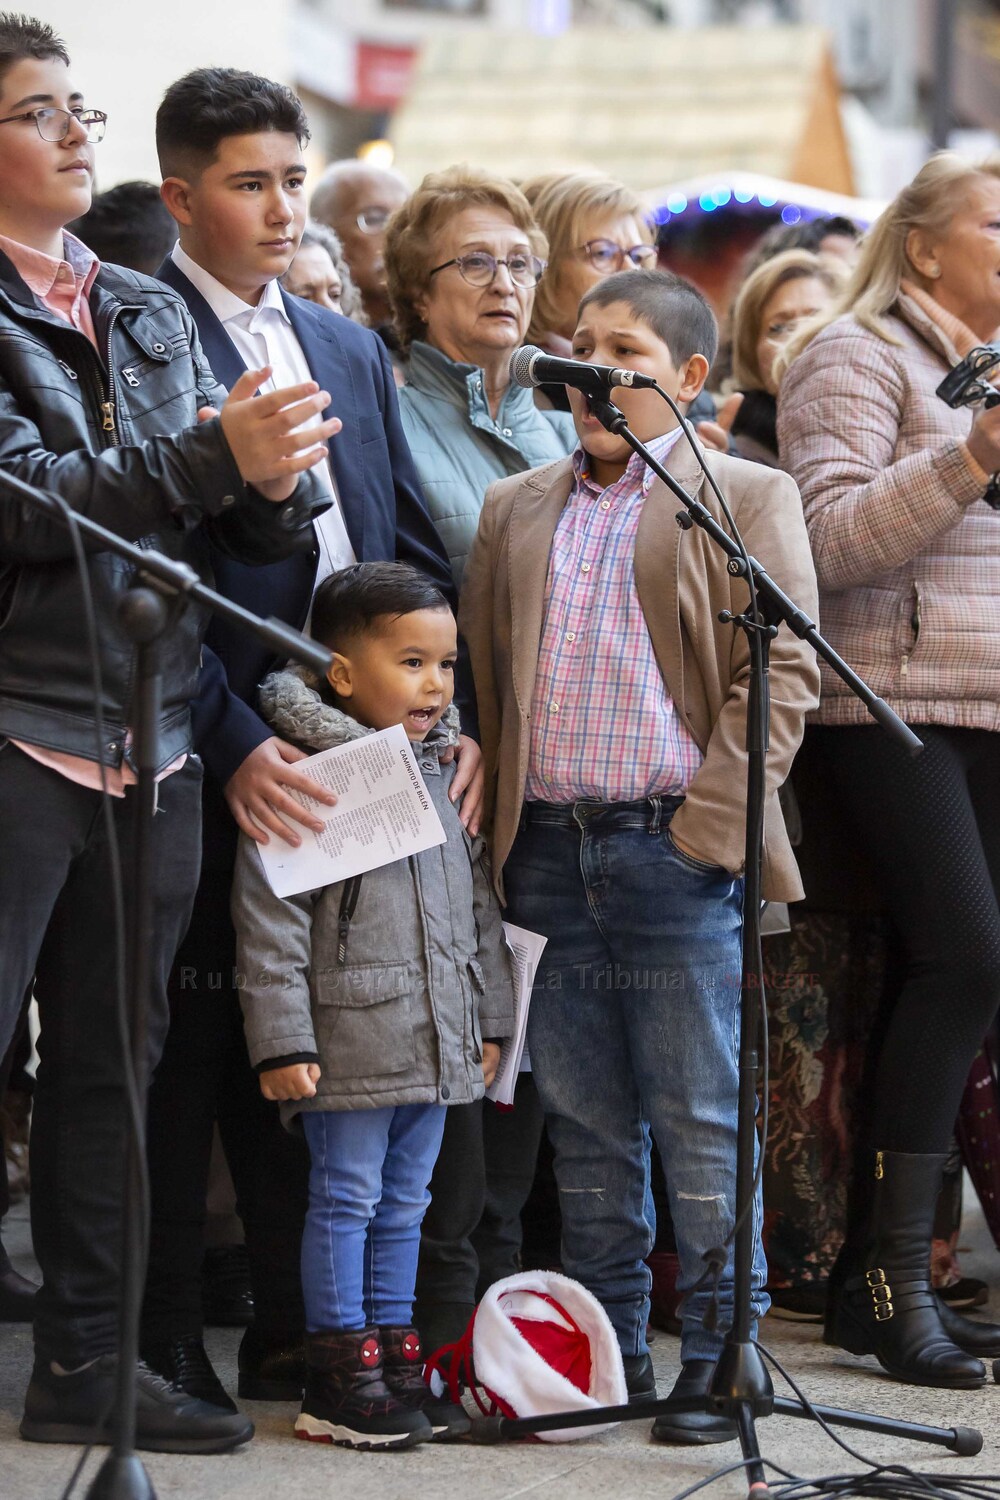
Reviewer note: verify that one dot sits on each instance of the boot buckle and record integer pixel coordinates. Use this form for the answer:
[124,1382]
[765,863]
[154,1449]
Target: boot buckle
[881,1294]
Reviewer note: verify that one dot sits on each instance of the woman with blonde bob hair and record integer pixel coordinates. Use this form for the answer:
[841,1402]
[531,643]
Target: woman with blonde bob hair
[772,302]
[595,226]
[463,258]
[908,561]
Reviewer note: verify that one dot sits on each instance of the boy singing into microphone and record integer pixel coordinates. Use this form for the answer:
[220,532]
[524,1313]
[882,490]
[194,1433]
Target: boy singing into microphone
[613,709]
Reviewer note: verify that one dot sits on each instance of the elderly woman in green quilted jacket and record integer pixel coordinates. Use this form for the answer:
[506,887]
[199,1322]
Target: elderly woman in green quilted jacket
[463,258]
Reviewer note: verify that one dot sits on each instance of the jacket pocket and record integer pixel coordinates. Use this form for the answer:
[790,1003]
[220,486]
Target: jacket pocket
[702,866]
[364,1024]
[478,979]
[911,623]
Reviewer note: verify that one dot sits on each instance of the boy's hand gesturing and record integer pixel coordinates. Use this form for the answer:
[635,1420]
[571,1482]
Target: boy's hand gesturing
[261,432]
[297,1081]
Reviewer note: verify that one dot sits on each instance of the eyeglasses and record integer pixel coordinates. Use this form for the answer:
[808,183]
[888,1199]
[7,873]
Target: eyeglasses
[480,269]
[373,220]
[53,124]
[776,333]
[605,255]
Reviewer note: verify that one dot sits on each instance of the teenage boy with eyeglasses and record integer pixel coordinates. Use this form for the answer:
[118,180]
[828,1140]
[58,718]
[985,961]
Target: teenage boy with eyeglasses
[230,147]
[101,382]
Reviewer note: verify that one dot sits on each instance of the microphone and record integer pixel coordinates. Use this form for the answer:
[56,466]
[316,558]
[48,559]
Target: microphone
[530,366]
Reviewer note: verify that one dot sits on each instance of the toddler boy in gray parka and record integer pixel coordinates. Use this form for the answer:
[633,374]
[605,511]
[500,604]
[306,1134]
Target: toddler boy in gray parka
[366,1040]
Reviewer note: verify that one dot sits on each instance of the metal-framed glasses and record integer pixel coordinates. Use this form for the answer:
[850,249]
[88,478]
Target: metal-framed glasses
[478,268]
[605,255]
[373,220]
[53,124]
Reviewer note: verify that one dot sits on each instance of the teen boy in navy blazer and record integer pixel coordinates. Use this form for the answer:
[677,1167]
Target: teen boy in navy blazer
[230,148]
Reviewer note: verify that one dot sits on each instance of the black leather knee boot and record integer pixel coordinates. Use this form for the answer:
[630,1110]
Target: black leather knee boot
[888,1307]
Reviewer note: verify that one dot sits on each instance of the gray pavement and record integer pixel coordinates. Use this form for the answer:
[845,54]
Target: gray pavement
[623,1464]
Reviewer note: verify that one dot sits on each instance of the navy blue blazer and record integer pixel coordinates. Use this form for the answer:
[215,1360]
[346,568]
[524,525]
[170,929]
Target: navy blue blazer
[381,500]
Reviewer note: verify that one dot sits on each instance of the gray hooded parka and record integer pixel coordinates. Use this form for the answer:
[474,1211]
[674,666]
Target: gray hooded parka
[426,975]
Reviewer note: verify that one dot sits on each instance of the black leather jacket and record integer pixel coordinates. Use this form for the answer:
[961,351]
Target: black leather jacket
[117,437]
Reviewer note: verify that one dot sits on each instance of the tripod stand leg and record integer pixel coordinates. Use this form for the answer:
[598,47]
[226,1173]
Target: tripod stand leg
[965,1441]
[757,1484]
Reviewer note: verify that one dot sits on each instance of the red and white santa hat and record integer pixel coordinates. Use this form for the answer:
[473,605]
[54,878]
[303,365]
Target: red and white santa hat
[541,1343]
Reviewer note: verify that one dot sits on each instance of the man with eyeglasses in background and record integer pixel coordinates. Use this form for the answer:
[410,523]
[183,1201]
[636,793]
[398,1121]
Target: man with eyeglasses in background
[357,200]
[102,381]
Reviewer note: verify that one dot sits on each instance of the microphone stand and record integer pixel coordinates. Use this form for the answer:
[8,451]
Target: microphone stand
[163,588]
[741,1386]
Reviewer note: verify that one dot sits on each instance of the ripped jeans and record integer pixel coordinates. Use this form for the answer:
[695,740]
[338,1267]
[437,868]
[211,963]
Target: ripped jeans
[635,1018]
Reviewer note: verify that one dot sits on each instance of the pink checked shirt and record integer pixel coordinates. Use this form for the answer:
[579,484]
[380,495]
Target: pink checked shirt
[604,727]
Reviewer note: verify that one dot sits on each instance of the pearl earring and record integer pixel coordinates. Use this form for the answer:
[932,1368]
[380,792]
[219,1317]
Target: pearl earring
[935,270]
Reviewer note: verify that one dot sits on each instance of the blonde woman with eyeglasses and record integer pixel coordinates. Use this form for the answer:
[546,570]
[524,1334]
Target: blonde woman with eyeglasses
[595,226]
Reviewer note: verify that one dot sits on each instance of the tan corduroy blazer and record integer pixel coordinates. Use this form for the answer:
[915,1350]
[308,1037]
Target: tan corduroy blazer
[683,584]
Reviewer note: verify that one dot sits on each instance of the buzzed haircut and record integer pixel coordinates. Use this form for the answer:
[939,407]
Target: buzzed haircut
[22,37]
[352,602]
[673,308]
[205,107]
[129,225]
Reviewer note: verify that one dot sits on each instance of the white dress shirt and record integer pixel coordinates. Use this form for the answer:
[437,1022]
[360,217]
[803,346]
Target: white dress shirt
[263,335]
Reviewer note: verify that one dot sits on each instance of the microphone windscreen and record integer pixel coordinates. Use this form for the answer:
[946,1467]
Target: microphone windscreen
[521,363]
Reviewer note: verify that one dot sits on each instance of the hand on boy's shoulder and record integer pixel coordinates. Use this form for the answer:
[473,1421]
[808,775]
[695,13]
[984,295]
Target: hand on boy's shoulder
[469,782]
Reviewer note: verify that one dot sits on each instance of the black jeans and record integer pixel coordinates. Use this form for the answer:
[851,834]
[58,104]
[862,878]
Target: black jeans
[12,1074]
[930,828]
[471,1234]
[205,1075]
[56,923]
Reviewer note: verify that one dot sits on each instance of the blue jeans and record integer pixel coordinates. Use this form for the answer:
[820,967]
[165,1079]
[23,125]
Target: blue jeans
[634,1019]
[367,1198]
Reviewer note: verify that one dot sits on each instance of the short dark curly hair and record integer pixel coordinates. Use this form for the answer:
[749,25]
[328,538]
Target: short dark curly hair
[353,601]
[201,109]
[22,37]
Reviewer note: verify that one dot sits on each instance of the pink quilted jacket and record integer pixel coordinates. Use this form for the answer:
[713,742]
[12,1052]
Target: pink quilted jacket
[906,553]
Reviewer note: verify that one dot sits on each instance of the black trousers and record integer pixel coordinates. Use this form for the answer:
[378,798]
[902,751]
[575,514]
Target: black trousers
[930,829]
[471,1234]
[205,1076]
[12,1074]
[56,924]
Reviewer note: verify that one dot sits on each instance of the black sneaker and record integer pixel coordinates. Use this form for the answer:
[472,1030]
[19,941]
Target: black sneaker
[77,1409]
[347,1400]
[402,1367]
[640,1382]
[271,1366]
[965,1292]
[693,1428]
[226,1297]
[185,1363]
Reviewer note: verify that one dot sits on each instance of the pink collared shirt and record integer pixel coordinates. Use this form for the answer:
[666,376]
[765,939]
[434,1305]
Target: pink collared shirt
[603,724]
[63,286]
